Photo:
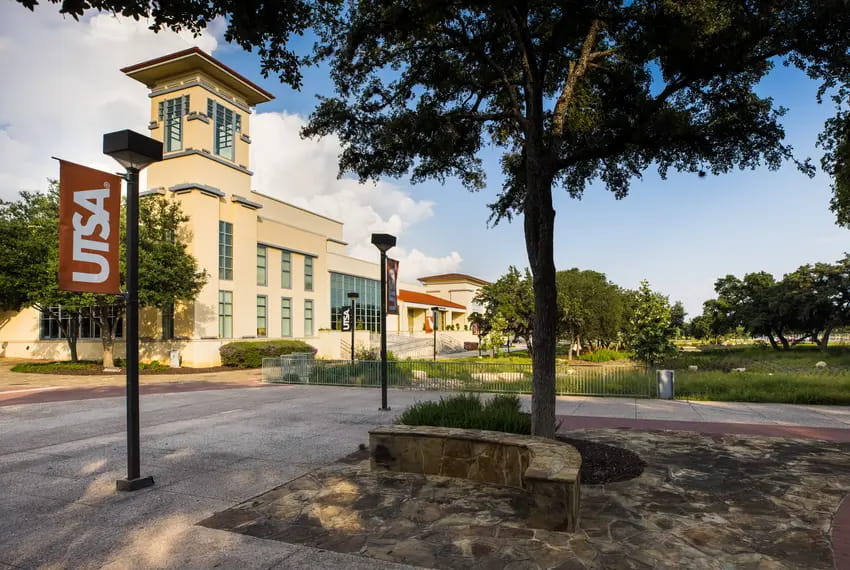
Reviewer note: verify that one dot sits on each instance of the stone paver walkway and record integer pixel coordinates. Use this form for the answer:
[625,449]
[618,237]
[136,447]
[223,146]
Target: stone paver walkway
[704,501]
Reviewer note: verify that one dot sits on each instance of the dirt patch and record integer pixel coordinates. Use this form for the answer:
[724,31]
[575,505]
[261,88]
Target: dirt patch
[602,463]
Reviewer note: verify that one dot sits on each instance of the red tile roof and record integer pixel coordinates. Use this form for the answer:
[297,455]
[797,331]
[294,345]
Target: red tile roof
[452,277]
[426,299]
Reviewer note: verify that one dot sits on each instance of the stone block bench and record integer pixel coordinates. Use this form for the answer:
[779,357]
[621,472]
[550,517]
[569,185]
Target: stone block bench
[547,470]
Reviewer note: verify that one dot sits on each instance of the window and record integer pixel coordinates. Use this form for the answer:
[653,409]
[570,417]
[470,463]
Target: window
[308,273]
[308,317]
[171,114]
[286,316]
[225,314]
[168,322]
[262,263]
[226,124]
[225,250]
[261,315]
[367,309]
[285,270]
[85,322]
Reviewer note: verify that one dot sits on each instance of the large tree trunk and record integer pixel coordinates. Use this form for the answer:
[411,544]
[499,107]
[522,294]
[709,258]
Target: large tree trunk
[107,339]
[784,341]
[772,342]
[539,241]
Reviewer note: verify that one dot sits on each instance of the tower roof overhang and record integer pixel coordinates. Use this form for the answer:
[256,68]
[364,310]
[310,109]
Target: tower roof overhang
[194,59]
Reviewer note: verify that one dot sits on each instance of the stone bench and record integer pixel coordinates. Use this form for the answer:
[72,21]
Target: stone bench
[546,469]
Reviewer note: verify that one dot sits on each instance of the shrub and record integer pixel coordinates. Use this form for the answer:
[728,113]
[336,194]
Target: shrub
[251,354]
[372,353]
[604,355]
[499,413]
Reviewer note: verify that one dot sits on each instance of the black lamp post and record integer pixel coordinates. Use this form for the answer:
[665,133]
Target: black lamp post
[383,242]
[353,295]
[134,152]
[435,312]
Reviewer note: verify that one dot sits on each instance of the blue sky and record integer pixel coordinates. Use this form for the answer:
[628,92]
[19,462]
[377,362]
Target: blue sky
[680,234]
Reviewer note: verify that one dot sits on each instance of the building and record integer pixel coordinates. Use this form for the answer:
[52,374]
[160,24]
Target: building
[275,270]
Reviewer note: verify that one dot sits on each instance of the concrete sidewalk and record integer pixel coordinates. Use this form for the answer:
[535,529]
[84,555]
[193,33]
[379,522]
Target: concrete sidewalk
[209,450]
[837,417]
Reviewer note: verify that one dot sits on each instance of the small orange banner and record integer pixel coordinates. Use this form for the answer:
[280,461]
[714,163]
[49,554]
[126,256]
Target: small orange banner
[89,227]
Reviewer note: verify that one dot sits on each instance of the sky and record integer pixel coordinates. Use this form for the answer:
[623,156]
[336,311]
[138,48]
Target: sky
[62,89]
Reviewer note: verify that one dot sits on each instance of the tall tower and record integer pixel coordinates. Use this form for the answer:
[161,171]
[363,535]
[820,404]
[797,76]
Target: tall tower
[200,111]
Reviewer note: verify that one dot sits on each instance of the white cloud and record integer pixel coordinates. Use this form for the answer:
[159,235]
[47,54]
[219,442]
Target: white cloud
[63,90]
[304,172]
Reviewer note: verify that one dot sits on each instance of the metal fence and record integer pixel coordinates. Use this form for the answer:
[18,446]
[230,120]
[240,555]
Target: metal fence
[454,376]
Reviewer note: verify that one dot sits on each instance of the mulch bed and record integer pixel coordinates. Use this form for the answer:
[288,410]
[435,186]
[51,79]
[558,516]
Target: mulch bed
[100,372]
[602,463]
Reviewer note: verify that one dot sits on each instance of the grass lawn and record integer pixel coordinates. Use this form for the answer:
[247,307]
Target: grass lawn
[788,388]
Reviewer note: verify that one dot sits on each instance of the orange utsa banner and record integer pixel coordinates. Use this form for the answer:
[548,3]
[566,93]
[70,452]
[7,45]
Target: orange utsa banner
[89,227]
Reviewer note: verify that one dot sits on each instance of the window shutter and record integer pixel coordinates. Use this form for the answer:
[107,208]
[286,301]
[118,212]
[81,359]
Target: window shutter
[161,107]
[210,108]
[185,104]
[238,123]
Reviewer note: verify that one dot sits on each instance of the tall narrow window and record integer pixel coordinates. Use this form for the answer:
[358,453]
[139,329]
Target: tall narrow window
[261,315]
[226,124]
[286,316]
[168,322]
[225,250]
[308,273]
[285,270]
[308,317]
[171,113]
[225,314]
[262,264]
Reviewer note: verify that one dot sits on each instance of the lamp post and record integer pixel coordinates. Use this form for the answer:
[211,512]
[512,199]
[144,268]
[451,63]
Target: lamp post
[383,242]
[435,312]
[134,152]
[353,295]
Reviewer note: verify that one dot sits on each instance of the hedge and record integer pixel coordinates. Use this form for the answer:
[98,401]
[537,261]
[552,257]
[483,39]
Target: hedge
[251,354]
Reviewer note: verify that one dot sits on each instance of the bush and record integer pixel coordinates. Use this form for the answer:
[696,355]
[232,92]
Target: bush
[251,354]
[372,353]
[604,355]
[499,413]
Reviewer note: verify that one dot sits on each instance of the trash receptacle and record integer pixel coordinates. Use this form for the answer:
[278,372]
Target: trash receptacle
[666,379]
[174,359]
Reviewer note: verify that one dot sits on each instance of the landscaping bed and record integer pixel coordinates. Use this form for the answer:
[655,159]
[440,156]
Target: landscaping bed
[89,368]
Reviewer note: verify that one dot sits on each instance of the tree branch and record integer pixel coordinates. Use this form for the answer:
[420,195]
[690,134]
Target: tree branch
[577,70]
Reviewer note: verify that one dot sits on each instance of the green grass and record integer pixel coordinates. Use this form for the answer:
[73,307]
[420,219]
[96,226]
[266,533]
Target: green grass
[813,388]
[604,355]
[58,367]
[763,359]
[499,413]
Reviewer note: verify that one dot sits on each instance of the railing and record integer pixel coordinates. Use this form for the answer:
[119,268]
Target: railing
[449,376]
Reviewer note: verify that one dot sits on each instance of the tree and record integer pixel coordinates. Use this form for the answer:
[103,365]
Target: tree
[590,307]
[677,318]
[571,92]
[650,340]
[511,298]
[821,294]
[167,272]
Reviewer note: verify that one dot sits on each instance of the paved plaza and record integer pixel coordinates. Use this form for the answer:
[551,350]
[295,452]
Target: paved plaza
[209,450]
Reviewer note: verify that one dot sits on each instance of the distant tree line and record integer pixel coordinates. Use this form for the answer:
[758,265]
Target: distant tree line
[592,312]
[807,304]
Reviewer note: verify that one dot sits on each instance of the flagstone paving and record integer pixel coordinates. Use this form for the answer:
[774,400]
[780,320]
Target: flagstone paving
[704,501]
